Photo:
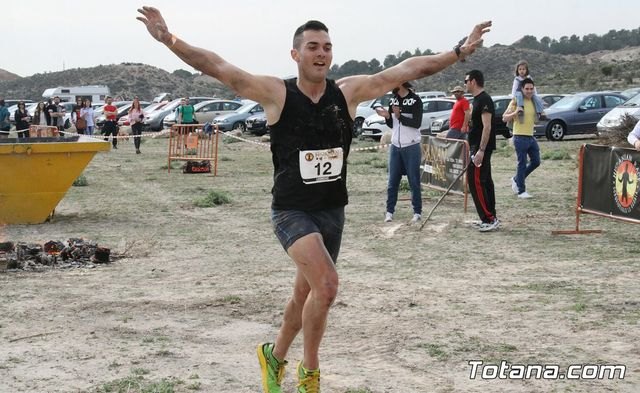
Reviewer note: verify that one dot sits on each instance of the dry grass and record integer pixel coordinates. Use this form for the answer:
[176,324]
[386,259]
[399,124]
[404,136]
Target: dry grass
[198,288]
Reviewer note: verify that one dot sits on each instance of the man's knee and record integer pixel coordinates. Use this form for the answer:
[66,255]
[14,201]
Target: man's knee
[328,289]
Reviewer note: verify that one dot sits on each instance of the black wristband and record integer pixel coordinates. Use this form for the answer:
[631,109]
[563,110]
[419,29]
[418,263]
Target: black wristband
[458,52]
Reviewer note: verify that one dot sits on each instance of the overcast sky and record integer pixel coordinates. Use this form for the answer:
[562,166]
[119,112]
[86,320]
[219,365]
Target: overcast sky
[52,35]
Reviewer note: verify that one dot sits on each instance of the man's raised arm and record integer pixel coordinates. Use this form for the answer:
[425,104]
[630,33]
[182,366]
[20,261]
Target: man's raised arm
[267,90]
[365,87]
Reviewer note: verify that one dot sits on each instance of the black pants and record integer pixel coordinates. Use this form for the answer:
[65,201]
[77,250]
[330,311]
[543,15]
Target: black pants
[136,129]
[110,128]
[482,188]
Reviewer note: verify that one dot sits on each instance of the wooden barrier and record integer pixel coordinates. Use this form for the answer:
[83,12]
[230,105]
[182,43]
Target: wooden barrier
[189,142]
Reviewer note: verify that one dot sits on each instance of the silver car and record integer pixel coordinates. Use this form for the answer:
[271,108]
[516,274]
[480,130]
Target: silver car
[236,120]
[375,125]
[206,111]
[154,120]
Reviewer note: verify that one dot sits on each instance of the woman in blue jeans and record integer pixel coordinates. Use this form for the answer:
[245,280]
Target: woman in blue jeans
[404,117]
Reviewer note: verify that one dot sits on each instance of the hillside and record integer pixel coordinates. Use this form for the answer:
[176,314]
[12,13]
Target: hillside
[553,73]
[7,76]
[125,80]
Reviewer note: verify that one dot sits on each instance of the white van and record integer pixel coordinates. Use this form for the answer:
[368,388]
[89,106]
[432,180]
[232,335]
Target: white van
[96,93]
[424,95]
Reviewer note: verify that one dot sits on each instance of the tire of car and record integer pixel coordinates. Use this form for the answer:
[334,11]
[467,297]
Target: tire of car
[239,126]
[357,126]
[556,130]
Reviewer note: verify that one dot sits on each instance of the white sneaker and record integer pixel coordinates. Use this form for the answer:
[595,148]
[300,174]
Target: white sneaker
[416,217]
[514,185]
[388,217]
[489,226]
[475,224]
[525,195]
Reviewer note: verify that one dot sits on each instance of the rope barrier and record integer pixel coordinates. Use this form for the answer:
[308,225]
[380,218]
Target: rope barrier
[382,146]
[102,137]
[226,134]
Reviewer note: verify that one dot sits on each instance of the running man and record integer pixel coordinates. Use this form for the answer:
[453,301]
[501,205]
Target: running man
[311,121]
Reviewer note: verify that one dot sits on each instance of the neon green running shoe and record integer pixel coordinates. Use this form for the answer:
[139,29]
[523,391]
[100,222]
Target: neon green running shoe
[308,380]
[272,369]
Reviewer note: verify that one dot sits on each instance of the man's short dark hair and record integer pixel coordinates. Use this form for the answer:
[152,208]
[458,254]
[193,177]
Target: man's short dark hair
[477,76]
[525,81]
[310,25]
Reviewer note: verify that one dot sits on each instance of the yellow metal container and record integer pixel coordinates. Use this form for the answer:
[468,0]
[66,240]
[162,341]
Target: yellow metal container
[34,177]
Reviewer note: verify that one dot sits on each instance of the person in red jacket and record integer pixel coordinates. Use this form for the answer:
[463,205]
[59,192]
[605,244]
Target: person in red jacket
[110,125]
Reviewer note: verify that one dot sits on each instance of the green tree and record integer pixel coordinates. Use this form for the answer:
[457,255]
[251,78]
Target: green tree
[182,74]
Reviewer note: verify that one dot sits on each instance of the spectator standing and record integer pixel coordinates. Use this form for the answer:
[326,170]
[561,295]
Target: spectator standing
[89,116]
[404,117]
[522,72]
[39,115]
[186,112]
[459,119]
[22,119]
[312,119]
[5,123]
[524,142]
[76,119]
[136,118]
[482,143]
[110,125]
[56,114]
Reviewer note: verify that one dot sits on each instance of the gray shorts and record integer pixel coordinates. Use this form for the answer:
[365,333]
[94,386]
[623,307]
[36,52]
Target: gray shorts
[291,225]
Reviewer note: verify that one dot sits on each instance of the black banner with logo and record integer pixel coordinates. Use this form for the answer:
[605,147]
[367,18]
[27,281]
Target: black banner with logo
[610,178]
[442,162]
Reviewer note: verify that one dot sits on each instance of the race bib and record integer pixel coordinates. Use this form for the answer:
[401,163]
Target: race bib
[320,166]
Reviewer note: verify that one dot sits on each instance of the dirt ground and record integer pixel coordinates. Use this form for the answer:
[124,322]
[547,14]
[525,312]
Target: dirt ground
[199,288]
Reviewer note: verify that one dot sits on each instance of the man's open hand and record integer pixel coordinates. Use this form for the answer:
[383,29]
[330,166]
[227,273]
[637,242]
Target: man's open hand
[474,40]
[155,24]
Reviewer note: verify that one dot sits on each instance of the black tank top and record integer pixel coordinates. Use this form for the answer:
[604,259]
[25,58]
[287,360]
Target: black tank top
[303,126]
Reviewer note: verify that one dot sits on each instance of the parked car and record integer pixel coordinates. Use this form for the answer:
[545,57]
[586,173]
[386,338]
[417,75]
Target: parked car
[375,125]
[631,92]
[613,118]
[236,120]
[257,124]
[441,123]
[206,111]
[123,110]
[154,120]
[550,99]
[366,109]
[577,114]
[501,103]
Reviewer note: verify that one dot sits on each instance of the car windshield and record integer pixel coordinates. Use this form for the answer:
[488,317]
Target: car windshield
[633,101]
[365,103]
[568,102]
[154,106]
[246,108]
